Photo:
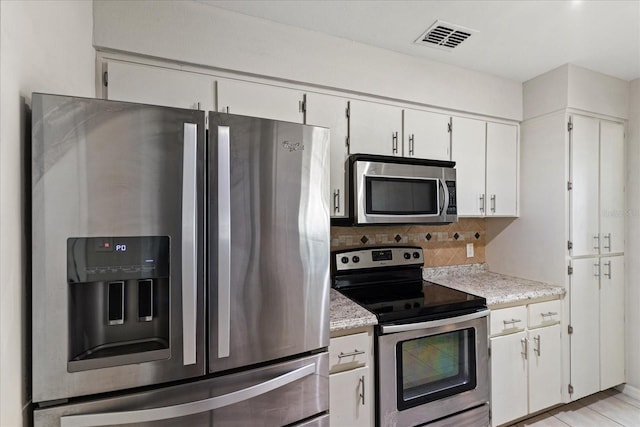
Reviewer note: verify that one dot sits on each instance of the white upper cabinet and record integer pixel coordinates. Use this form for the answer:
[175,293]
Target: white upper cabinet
[468,151]
[427,135]
[612,188]
[584,179]
[331,112]
[375,128]
[260,100]
[159,86]
[502,170]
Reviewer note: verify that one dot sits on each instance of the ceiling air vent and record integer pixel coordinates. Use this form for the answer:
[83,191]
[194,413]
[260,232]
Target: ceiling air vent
[445,36]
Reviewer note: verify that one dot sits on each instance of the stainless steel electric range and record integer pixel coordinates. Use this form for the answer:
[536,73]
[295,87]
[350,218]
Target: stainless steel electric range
[432,365]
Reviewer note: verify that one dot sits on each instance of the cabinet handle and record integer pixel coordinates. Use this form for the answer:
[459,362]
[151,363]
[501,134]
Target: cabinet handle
[608,245]
[493,203]
[361,381]
[525,345]
[353,353]
[597,239]
[394,142]
[549,314]
[597,266]
[537,347]
[411,144]
[608,273]
[336,200]
[482,203]
[511,322]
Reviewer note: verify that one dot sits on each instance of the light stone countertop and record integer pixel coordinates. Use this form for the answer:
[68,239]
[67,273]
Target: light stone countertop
[500,290]
[346,314]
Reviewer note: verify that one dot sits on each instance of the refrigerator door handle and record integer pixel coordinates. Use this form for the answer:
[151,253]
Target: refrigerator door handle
[224,241]
[189,244]
[186,409]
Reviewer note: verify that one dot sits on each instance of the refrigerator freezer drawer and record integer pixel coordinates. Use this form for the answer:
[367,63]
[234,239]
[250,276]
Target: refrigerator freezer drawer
[274,395]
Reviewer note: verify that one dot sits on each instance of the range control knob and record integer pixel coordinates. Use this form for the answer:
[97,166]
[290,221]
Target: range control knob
[407,255]
[416,254]
[407,306]
[355,259]
[344,259]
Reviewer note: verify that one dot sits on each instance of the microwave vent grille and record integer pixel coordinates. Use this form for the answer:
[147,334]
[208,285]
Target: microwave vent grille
[445,36]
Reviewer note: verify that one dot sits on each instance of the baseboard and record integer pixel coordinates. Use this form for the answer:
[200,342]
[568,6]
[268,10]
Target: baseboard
[629,390]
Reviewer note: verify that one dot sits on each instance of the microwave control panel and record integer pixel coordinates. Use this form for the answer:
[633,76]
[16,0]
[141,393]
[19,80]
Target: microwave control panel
[452,208]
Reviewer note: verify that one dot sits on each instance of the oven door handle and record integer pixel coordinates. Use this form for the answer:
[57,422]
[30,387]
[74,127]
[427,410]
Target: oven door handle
[390,329]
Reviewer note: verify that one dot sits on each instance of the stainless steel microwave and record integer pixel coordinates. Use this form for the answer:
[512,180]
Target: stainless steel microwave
[399,190]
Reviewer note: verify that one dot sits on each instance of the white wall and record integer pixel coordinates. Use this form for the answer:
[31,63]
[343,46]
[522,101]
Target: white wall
[45,47]
[194,33]
[633,240]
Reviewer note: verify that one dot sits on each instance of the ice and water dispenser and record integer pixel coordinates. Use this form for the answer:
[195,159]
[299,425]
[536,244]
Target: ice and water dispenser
[118,301]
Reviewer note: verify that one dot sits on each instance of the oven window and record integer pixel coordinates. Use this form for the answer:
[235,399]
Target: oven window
[437,366]
[402,196]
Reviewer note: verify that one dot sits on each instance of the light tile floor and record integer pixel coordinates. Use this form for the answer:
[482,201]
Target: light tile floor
[609,408]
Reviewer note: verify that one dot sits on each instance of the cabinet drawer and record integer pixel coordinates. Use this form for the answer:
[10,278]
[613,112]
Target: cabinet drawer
[508,320]
[544,313]
[349,352]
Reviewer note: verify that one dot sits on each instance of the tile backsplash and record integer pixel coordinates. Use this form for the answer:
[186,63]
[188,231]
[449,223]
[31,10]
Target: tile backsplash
[442,244]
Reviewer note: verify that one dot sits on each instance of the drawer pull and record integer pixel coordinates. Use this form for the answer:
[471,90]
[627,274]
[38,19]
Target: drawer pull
[511,322]
[549,314]
[353,353]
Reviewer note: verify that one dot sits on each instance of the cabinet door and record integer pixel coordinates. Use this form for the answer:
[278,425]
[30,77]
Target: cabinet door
[612,347]
[159,86]
[584,341]
[468,151]
[545,365]
[508,377]
[260,100]
[612,170]
[331,111]
[584,177]
[426,135]
[502,169]
[351,398]
[375,129]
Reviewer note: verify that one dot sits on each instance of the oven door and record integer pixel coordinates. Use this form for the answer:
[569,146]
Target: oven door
[432,369]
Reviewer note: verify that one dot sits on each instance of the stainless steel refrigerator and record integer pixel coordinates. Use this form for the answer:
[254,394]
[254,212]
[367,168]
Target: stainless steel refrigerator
[180,275]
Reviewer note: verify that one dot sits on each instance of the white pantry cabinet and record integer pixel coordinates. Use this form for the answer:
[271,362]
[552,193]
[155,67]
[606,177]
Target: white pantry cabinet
[526,360]
[351,390]
[158,86]
[486,156]
[375,128]
[331,112]
[427,135]
[260,100]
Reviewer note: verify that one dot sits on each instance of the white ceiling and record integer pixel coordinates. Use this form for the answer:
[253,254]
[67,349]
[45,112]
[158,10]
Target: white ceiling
[516,39]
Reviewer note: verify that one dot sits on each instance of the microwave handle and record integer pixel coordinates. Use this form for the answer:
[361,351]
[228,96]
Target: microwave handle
[444,193]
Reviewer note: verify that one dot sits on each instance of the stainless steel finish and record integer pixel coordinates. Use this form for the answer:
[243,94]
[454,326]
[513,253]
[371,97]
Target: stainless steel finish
[224,241]
[186,409]
[189,243]
[549,314]
[390,329]
[105,168]
[597,241]
[493,203]
[336,200]
[536,348]
[525,348]
[363,388]
[411,144]
[364,258]
[363,169]
[279,210]
[482,203]
[607,246]
[350,354]
[270,396]
[394,142]
[321,421]
[387,395]
[608,273]
[476,417]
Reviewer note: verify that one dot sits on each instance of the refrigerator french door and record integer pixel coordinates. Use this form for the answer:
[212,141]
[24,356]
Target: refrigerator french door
[118,247]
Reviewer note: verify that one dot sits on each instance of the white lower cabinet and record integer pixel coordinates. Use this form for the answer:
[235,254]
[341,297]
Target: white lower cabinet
[526,360]
[351,390]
